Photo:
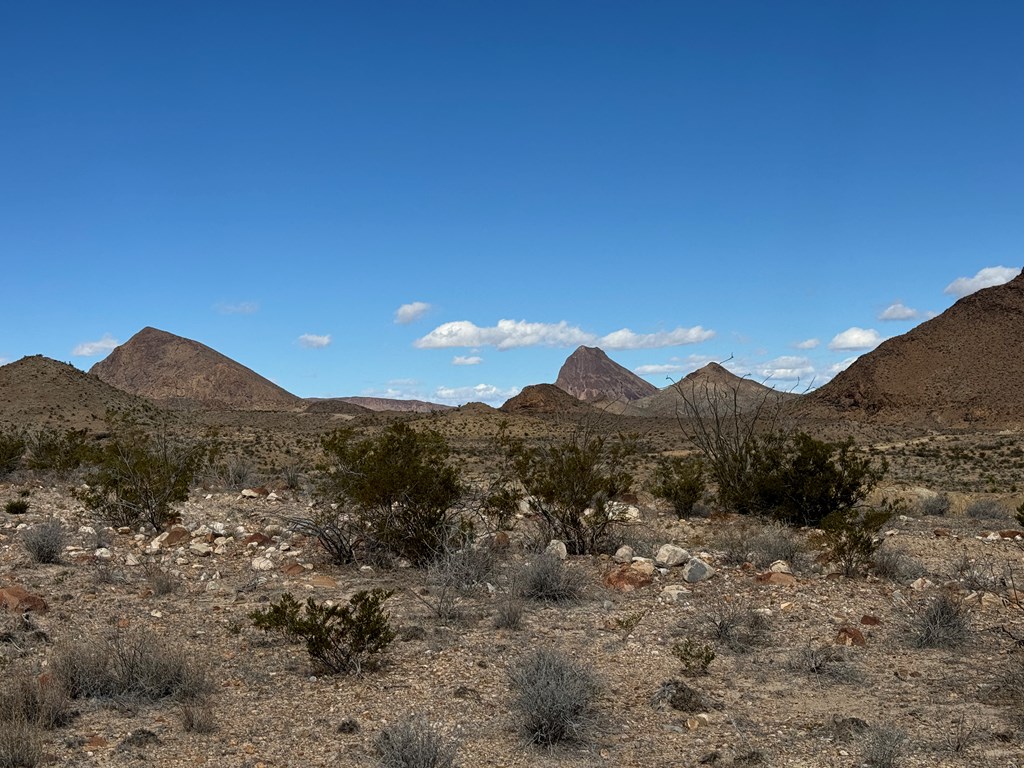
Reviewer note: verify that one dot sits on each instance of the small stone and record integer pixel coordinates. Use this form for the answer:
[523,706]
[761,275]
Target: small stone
[850,636]
[131,560]
[262,564]
[697,570]
[557,548]
[178,534]
[200,548]
[780,566]
[623,554]
[253,493]
[103,554]
[921,584]
[776,577]
[670,555]
[674,593]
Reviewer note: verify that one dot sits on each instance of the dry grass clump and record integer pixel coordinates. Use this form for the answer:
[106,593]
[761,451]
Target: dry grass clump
[824,663]
[44,542]
[547,578]
[986,509]
[411,743]
[553,696]
[935,506]
[894,564]
[883,746]
[38,700]
[760,543]
[509,614]
[737,626]
[21,744]
[943,622]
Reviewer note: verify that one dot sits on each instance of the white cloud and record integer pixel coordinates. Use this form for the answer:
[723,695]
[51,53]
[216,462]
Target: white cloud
[856,338]
[241,308]
[655,370]
[410,313]
[4,361]
[484,393]
[463,360]
[313,341]
[899,311]
[808,344]
[511,334]
[986,278]
[787,368]
[93,348]
[842,365]
[626,339]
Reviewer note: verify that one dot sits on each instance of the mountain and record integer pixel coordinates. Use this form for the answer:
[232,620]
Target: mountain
[590,375]
[543,398]
[713,380]
[964,367]
[179,372]
[39,392]
[391,404]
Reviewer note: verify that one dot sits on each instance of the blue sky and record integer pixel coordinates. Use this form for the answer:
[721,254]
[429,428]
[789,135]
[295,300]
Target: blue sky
[442,200]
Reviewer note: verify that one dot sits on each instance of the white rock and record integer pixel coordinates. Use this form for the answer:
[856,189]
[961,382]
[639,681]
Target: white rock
[780,566]
[921,584]
[87,530]
[200,548]
[103,553]
[670,555]
[249,493]
[557,548]
[262,564]
[624,554]
[131,560]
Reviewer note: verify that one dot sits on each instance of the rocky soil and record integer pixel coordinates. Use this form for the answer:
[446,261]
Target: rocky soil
[817,664]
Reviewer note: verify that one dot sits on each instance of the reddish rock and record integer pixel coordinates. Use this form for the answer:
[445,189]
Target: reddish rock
[777,578]
[850,636]
[178,534]
[627,578]
[1012,535]
[292,569]
[18,600]
[870,621]
[942,533]
[259,539]
[500,542]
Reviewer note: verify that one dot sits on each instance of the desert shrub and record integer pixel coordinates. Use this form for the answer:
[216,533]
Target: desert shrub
[553,696]
[21,744]
[883,746]
[45,541]
[680,481]
[759,543]
[943,622]
[694,656]
[36,699]
[234,473]
[851,536]
[891,563]
[161,581]
[985,509]
[338,638]
[568,484]
[824,663]
[136,665]
[411,743]
[509,614]
[338,534]
[680,696]
[737,626]
[198,716]
[138,476]
[400,487]
[935,506]
[454,572]
[16,507]
[57,451]
[12,447]
[547,578]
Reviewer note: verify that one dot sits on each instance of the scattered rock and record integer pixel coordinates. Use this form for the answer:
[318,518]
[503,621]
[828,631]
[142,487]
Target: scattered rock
[557,548]
[262,564]
[674,593]
[921,584]
[669,555]
[200,548]
[697,570]
[624,554]
[850,636]
[627,578]
[776,577]
[18,600]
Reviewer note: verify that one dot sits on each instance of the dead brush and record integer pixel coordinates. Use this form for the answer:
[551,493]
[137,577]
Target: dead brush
[942,622]
[737,626]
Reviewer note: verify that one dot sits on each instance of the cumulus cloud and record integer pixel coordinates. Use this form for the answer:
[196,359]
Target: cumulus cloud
[484,393]
[899,311]
[410,313]
[787,368]
[841,366]
[464,360]
[655,370]
[856,338]
[93,348]
[626,339]
[808,344]
[241,308]
[511,334]
[313,341]
[986,278]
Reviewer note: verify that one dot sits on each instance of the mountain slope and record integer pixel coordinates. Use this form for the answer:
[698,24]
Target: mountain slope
[964,367]
[713,380]
[180,372]
[590,375]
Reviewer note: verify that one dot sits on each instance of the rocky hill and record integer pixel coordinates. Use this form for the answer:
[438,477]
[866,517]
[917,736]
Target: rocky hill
[543,398]
[39,392]
[391,404]
[962,368]
[590,375]
[712,380]
[182,373]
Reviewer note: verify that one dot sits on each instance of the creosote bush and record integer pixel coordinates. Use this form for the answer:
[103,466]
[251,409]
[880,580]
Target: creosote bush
[553,696]
[397,490]
[12,448]
[338,638]
[51,450]
[45,541]
[568,484]
[851,536]
[546,577]
[138,476]
[679,481]
[411,743]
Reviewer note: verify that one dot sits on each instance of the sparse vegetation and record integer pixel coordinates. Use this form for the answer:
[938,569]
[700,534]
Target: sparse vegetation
[737,626]
[52,450]
[883,746]
[339,639]
[935,506]
[44,541]
[411,743]
[547,578]
[12,448]
[852,537]
[553,696]
[21,744]
[943,622]
[694,656]
[760,543]
[680,481]
[16,506]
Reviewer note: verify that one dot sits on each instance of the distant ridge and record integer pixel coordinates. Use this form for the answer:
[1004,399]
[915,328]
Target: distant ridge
[182,373]
[40,392]
[543,398]
[374,404]
[590,375]
[964,367]
[713,379]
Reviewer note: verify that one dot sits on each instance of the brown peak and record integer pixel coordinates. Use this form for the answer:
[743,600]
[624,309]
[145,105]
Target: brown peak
[582,351]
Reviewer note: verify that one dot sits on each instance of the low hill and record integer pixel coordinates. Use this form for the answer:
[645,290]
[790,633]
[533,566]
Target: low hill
[332,405]
[710,381]
[177,372]
[590,375]
[391,404]
[39,392]
[543,398]
[962,368]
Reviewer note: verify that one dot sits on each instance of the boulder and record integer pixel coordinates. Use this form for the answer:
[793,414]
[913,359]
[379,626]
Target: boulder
[627,578]
[624,554]
[557,548]
[669,555]
[18,600]
[697,570]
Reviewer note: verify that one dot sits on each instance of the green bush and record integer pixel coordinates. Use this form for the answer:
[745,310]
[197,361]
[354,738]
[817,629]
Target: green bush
[338,638]
[57,451]
[12,447]
[138,476]
[568,484]
[400,487]
[16,507]
[851,536]
[680,481]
